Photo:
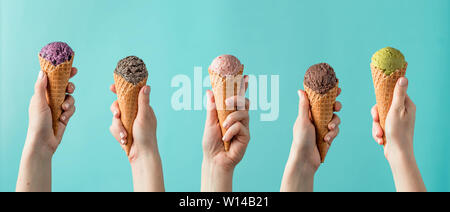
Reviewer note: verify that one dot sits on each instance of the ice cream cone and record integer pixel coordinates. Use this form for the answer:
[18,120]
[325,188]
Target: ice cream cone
[58,78]
[384,91]
[322,109]
[225,87]
[127,94]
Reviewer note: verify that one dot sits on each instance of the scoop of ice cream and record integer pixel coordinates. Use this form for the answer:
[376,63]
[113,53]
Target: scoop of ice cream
[320,78]
[56,53]
[226,65]
[388,60]
[132,69]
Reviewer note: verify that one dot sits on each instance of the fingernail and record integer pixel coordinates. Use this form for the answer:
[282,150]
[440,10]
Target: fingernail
[299,94]
[146,90]
[123,141]
[225,125]
[333,126]
[122,135]
[403,82]
[327,138]
[223,138]
[115,113]
[66,106]
[41,75]
[72,86]
[62,118]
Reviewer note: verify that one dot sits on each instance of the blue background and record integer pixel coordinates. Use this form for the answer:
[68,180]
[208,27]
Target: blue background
[270,37]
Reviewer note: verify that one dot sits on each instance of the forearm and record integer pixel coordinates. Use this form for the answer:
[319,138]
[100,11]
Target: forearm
[406,173]
[216,178]
[297,177]
[35,171]
[147,173]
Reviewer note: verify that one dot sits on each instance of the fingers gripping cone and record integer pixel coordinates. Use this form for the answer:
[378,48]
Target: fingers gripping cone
[127,94]
[384,91]
[225,87]
[58,78]
[322,109]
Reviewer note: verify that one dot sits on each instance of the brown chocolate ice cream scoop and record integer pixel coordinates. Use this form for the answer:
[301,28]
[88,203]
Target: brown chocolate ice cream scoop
[132,69]
[320,78]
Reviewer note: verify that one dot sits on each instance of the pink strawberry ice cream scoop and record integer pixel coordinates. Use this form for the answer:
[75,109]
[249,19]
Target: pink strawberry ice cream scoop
[56,53]
[226,65]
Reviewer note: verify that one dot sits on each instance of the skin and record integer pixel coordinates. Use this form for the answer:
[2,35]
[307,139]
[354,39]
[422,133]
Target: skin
[398,149]
[41,143]
[144,156]
[304,158]
[218,166]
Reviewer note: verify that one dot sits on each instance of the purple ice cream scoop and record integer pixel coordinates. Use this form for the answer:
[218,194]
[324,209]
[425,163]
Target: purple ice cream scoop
[57,53]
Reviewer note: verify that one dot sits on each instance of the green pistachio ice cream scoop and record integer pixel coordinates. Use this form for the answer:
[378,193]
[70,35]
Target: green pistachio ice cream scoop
[388,60]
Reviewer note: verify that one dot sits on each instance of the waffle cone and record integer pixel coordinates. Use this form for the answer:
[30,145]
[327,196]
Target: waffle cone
[58,78]
[384,91]
[127,94]
[225,87]
[322,109]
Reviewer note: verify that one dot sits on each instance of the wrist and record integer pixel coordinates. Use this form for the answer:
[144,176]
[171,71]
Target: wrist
[302,161]
[216,177]
[144,158]
[398,157]
[213,165]
[36,147]
[298,176]
[396,154]
[300,165]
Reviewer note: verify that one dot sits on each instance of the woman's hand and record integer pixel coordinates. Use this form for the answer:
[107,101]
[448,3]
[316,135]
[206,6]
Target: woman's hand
[304,158]
[218,165]
[40,123]
[398,148]
[42,141]
[144,155]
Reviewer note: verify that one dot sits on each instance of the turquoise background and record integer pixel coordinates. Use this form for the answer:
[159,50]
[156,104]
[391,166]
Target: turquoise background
[270,37]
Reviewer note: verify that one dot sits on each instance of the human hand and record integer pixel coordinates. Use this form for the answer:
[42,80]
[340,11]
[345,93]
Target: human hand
[237,125]
[304,158]
[399,123]
[304,147]
[144,156]
[399,131]
[41,137]
[144,127]
[42,141]
[218,164]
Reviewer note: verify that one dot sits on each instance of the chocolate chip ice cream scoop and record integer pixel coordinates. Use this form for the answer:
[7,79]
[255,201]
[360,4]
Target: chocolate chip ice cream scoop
[320,78]
[132,69]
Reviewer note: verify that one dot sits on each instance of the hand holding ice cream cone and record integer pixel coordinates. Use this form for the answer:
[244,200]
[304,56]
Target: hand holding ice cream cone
[218,164]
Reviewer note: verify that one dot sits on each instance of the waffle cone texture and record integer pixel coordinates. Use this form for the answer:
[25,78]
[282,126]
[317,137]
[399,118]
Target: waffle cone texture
[127,94]
[322,110]
[58,78]
[384,91]
[225,87]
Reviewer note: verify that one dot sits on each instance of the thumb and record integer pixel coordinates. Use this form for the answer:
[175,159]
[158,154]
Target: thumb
[143,101]
[211,112]
[401,87]
[303,105]
[40,88]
